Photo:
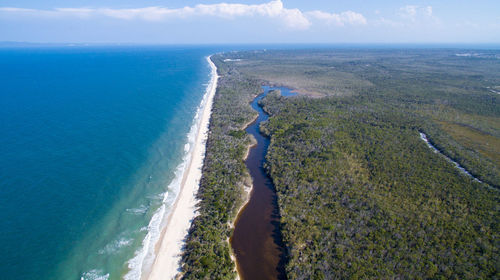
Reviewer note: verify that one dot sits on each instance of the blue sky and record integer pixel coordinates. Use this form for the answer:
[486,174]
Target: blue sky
[244,21]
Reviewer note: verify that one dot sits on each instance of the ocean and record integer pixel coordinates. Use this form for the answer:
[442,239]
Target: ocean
[92,140]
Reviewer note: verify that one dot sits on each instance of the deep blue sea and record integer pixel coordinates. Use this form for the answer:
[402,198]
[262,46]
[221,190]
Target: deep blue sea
[90,140]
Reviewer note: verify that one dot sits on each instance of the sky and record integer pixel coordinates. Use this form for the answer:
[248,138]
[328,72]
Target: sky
[250,21]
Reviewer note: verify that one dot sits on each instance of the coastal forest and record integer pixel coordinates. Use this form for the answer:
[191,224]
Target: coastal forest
[224,176]
[360,194]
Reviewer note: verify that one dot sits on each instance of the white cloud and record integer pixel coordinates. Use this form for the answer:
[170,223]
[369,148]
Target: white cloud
[291,18]
[352,17]
[428,11]
[271,9]
[387,22]
[408,12]
[348,17]
[411,16]
[295,19]
[15,10]
[416,13]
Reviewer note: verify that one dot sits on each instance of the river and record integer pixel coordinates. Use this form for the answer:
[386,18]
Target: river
[256,240]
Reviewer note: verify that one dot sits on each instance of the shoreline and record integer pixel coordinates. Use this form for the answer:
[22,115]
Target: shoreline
[168,248]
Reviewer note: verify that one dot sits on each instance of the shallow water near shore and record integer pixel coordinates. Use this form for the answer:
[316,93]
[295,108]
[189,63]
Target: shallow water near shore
[92,142]
[256,240]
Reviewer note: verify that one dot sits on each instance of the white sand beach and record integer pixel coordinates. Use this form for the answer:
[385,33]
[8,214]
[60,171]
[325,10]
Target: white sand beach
[169,246]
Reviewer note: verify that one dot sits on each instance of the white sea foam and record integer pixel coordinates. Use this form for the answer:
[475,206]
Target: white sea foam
[159,196]
[139,210]
[94,274]
[115,246]
[144,257]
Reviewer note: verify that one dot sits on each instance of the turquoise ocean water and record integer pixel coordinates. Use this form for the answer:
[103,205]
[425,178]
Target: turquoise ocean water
[91,140]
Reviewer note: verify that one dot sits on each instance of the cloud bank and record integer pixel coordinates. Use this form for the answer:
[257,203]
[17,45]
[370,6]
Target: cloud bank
[413,12]
[290,18]
[348,17]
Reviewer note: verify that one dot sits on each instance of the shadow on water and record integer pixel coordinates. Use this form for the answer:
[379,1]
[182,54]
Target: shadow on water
[257,241]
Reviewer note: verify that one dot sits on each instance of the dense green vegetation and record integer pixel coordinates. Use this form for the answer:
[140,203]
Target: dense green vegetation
[436,85]
[360,194]
[207,252]
[487,145]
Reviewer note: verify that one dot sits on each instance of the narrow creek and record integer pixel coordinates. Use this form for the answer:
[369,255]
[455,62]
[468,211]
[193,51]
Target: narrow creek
[256,240]
[458,166]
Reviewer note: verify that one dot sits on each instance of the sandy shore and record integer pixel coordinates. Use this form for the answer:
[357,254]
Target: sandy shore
[169,247]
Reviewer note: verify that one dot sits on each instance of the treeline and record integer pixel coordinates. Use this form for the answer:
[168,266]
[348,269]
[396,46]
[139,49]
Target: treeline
[362,197]
[207,253]
[434,84]
[360,194]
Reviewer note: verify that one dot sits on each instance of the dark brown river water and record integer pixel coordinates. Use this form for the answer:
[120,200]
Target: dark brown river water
[257,241]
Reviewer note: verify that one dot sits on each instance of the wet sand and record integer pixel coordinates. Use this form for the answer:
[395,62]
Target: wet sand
[169,248]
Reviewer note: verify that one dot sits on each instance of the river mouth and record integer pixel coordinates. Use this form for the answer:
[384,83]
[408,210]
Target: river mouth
[257,242]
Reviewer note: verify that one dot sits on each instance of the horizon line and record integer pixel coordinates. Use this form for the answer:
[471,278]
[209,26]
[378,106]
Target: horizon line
[4,43]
